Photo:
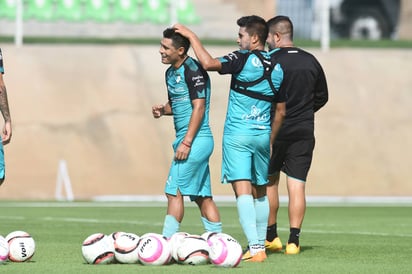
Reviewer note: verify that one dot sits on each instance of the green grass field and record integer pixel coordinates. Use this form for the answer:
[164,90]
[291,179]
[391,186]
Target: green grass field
[334,239]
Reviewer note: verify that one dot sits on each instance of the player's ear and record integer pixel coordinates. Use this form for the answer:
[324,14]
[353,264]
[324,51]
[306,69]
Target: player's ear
[181,51]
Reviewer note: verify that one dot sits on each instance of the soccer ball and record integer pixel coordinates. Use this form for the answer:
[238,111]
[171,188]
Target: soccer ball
[113,236]
[21,246]
[98,248]
[153,249]
[125,248]
[208,234]
[4,250]
[193,250]
[225,251]
[175,242]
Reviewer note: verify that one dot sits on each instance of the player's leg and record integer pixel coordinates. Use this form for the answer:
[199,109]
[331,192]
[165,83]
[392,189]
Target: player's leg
[279,150]
[209,214]
[297,167]
[174,215]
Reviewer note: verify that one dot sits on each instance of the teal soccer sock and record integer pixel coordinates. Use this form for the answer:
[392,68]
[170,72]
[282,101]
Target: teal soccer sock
[170,226]
[247,218]
[262,215]
[211,226]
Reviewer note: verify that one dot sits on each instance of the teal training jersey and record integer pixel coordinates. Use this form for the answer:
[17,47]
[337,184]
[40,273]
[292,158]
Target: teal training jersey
[246,115]
[190,81]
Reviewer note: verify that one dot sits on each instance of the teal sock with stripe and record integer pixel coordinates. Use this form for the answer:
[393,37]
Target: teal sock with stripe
[247,218]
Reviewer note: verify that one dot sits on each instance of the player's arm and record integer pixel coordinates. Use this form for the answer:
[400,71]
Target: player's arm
[280,113]
[160,110]
[198,112]
[4,108]
[321,92]
[208,62]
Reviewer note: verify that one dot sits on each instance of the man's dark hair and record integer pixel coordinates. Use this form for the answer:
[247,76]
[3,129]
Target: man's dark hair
[254,25]
[281,24]
[178,40]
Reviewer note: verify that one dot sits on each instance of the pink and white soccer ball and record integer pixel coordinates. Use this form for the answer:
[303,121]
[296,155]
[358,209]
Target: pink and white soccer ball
[193,250]
[125,248]
[98,248]
[153,249]
[4,250]
[225,251]
[21,246]
[175,242]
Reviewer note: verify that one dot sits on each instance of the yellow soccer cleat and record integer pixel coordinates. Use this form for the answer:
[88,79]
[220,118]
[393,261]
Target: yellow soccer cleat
[273,246]
[292,249]
[257,258]
[246,255]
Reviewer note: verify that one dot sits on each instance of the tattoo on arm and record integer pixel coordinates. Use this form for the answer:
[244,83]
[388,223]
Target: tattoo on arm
[4,104]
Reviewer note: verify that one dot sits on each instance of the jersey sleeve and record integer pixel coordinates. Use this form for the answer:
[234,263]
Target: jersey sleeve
[321,91]
[196,81]
[1,63]
[233,62]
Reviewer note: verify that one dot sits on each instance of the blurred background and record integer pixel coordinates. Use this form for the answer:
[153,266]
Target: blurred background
[82,76]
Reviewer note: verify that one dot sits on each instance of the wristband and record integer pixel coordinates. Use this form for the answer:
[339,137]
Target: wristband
[189,146]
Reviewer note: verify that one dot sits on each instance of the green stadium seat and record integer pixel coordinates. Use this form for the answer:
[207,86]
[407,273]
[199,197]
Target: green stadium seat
[98,10]
[186,13]
[41,10]
[8,9]
[69,10]
[127,11]
[156,11]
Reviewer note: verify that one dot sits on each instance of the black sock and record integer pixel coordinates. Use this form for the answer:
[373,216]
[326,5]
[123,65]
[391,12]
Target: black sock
[271,232]
[294,235]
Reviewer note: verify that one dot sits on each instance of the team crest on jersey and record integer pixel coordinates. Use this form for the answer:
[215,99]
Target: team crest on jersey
[256,62]
[178,78]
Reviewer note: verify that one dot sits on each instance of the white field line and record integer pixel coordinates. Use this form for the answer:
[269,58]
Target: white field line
[134,222]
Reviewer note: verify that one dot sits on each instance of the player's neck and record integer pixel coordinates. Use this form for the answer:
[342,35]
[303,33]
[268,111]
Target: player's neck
[180,62]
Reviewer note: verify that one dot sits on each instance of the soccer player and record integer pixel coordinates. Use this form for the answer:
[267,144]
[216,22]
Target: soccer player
[4,108]
[305,84]
[188,87]
[247,132]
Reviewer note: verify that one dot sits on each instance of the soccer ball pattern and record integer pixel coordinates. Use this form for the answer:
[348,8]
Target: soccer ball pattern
[98,248]
[21,246]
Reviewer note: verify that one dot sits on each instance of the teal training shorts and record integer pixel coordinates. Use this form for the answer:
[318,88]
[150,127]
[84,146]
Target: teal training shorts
[192,176]
[246,158]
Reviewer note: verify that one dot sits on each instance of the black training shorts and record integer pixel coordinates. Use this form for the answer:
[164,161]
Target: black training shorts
[292,157]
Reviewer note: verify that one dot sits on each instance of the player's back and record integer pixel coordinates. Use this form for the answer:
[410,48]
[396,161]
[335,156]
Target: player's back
[303,76]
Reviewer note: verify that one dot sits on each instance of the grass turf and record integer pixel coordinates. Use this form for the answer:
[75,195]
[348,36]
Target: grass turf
[347,239]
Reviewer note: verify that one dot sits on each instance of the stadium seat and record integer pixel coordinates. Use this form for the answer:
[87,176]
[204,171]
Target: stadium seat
[186,13]
[156,11]
[41,10]
[69,10]
[8,9]
[98,10]
[127,11]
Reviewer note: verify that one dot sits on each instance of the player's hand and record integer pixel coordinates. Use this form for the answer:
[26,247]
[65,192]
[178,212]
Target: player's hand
[158,111]
[6,134]
[179,28]
[182,152]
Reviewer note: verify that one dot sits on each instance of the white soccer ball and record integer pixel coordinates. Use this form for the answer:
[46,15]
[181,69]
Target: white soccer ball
[225,251]
[125,248]
[193,250]
[114,235]
[98,248]
[21,246]
[175,242]
[206,235]
[153,249]
[4,250]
